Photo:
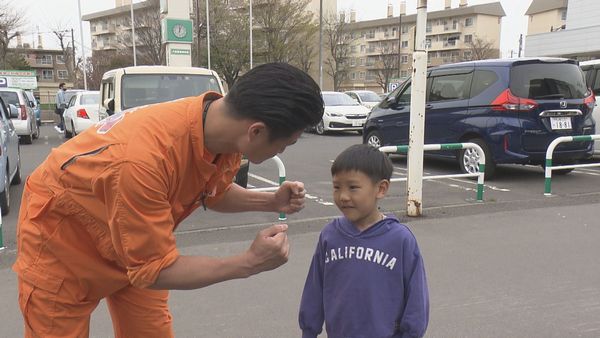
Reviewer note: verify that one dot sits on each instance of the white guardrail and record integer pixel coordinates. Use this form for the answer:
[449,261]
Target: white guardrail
[550,151]
[281,169]
[447,146]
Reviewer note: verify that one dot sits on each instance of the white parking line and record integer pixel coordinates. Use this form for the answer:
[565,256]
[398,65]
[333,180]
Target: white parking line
[587,171]
[310,197]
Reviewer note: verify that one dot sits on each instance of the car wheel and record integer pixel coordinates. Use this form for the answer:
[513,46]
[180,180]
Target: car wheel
[5,196]
[320,128]
[26,139]
[68,133]
[17,178]
[468,159]
[374,139]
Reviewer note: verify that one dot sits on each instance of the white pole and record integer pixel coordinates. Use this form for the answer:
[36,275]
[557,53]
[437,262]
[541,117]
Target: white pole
[321,44]
[414,185]
[250,34]
[133,33]
[82,46]
[208,33]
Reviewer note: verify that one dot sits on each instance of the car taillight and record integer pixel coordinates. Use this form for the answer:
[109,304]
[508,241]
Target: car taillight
[506,101]
[82,113]
[23,112]
[590,101]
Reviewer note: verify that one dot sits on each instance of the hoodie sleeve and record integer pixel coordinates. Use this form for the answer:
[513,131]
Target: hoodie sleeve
[312,313]
[415,316]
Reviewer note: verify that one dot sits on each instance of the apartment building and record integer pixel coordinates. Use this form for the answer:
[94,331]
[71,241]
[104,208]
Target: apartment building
[449,34]
[111,29]
[50,69]
[563,28]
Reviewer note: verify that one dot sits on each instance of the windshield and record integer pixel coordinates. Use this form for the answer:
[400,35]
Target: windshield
[90,99]
[143,89]
[368,96]
[548,81]
[338,99]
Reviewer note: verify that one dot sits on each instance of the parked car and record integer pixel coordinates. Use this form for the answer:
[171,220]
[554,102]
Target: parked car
[342,113]
[129,87]
[367,98]
[512,108]
[591,69]
[81,112]
[10,155]
[37,110]
[24,123]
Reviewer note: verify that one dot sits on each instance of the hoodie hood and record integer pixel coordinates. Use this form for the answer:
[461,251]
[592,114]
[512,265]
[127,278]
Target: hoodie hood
[346,227]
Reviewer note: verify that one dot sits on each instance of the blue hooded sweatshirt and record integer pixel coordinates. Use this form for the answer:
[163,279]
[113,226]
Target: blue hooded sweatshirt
[368,284]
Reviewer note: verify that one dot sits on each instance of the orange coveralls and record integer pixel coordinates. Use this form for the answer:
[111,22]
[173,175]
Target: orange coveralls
[97,219]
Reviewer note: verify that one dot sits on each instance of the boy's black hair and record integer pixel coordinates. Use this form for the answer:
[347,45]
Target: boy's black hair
[365,159]
[283,97]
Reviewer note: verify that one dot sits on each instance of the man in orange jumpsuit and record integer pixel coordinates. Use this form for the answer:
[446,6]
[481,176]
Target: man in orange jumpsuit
[97,216]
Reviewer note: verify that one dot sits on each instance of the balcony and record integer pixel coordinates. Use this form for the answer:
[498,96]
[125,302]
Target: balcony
[104,29]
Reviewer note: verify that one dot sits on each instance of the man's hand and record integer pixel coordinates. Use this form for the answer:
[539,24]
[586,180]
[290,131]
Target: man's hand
[289,198]
[269,250]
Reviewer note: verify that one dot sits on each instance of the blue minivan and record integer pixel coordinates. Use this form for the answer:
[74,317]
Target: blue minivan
[512,108]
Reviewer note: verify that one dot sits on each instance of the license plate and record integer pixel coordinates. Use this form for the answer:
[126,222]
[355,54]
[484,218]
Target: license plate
[560,123]
[357,123]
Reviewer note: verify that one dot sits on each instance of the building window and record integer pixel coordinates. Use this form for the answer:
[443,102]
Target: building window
[404,44]
[563,15]
[353,76]
[60,59]
[352,62]
[47,74]
[353,49]
[362,48]
[63,74]
[361,75]
[362,61]
[469,22]
[43,59]
[427,43]
[468,38]
[428,27]
[386,32]
[403,73]
[404,29]
[404,58]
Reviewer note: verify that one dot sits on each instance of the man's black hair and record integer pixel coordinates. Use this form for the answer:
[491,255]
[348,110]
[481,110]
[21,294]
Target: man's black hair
[62,84]
[365,159]
[282,96]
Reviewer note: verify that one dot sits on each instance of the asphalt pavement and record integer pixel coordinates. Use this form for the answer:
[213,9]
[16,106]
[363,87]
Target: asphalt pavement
[526,271]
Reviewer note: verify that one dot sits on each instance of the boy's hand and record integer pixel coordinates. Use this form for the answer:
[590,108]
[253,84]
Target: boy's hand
[269,250]
[289,198]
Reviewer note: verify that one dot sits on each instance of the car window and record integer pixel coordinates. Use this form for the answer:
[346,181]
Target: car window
[90,99]
[142,89]
[369,96]
[450,87]
[596,85]
[72,101]
[404,97]
[353,95]
[3,111]
[482,79]
[548,81]
[10,98]
[338,99]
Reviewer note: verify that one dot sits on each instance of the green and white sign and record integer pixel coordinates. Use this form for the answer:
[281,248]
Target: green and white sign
[177,30]
[179,51]
[24,79]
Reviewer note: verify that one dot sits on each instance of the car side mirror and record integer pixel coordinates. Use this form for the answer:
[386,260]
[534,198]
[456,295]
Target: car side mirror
[14,112]
[31,104]
[109,104]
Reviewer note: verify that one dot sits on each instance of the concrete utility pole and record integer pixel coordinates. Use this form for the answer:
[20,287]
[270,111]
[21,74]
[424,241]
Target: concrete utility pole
[321,44]
[82,46]
[417,116]
[133,33]
[178,31]
[250,34]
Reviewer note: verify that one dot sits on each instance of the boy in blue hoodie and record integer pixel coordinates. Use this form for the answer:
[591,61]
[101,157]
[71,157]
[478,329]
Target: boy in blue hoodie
[366,278]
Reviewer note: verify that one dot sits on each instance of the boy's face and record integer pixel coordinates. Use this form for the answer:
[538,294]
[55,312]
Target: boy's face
[356,196]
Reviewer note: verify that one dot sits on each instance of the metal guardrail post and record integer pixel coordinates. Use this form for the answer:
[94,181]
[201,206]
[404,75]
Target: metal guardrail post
[549,152]
[448,146]
[281,169]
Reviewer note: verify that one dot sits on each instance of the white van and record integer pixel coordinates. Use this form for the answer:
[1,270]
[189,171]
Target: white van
[591,69]
[129,87]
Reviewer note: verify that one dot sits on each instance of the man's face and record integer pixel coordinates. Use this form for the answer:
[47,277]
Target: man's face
[261,148]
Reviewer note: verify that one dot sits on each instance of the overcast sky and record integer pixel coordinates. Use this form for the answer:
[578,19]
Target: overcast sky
[44,16]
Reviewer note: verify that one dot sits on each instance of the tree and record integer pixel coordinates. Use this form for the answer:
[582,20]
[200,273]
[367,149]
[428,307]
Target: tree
[480,49]
[148,35]
[284,25]
[230,47]
[64,38]
[304,55]
[102,61]
[387,66]
[17,62]
[337,39]
[10,22]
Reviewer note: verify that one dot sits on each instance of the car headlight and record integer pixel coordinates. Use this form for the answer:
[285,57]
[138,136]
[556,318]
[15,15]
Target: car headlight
[332,114]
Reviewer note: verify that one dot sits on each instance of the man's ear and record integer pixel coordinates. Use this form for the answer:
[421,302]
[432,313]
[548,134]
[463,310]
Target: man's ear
[255,129]
[382,188]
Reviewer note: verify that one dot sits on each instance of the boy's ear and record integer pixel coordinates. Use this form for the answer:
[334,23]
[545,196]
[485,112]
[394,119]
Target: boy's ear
[383,187]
